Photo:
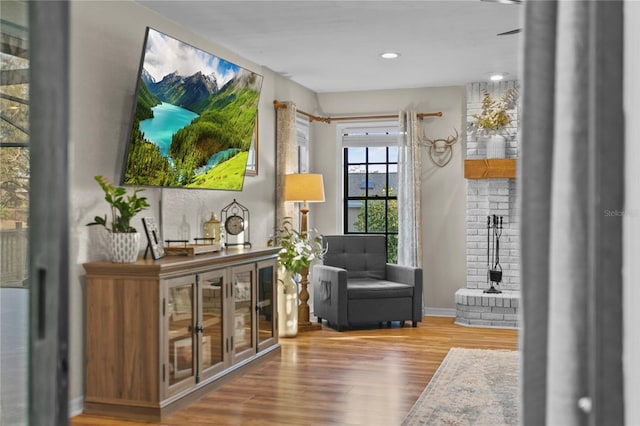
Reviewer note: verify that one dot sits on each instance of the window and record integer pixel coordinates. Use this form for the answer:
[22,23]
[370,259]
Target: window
[14,144]
[370,184]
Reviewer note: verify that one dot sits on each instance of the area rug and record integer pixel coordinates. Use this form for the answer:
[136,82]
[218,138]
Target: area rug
[471,387]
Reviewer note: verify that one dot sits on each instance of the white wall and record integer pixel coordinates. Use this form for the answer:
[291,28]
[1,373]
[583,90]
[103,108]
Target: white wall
[631,225]
[106,46]
[443,189]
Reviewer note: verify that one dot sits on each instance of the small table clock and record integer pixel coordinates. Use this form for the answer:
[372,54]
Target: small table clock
[235,217]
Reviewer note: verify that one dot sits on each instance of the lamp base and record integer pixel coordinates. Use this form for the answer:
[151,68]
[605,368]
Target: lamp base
[310,326]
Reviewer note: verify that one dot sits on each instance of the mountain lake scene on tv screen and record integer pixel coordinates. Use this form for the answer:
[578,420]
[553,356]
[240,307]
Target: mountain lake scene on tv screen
[193,120]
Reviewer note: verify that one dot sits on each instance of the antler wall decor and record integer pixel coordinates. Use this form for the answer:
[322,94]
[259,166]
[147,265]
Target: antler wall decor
[440,149]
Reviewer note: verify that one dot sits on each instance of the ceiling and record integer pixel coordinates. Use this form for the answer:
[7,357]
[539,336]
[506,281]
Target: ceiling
[335,46]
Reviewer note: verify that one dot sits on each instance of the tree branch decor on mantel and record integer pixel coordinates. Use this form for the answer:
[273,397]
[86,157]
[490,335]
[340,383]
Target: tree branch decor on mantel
[492,122]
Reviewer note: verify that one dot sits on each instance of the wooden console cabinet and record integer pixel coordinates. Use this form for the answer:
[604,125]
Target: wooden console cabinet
[160,334]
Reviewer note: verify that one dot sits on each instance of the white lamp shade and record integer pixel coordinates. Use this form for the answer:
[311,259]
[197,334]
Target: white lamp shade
[304,187]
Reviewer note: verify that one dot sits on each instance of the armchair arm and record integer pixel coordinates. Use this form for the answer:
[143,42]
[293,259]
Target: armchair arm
[330,294]
[412,276]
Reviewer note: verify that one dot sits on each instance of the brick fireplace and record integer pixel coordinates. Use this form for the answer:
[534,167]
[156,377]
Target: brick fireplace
[490,196]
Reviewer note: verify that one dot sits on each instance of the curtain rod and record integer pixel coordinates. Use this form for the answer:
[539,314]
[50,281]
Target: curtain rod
[279,105]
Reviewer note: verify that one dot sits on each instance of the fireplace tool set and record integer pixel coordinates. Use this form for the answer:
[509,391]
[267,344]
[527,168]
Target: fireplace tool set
[494,269]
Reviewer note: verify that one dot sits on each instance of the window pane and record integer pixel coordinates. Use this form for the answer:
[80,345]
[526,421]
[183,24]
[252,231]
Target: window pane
[16,112]
[392,216]
[392,248]
[376,215]
[355,216]
[393,154]
[393,180]
[14,212]
[357,181]
[356,155]
[377,180]
[378,155]
[15,97]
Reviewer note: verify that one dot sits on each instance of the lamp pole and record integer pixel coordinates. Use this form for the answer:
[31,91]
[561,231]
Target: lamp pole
[304,324]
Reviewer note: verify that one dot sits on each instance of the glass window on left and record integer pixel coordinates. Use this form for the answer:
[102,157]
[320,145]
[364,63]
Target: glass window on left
[14,143]
[14,210]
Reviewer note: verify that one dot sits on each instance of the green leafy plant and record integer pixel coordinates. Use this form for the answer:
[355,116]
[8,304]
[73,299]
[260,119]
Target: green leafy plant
[494,116]
[298,251]
[123,207]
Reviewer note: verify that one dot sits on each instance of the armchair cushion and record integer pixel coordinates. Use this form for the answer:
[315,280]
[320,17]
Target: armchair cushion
[363,288]
[362,256]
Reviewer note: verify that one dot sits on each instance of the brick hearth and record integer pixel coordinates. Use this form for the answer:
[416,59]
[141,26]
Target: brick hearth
[475,308]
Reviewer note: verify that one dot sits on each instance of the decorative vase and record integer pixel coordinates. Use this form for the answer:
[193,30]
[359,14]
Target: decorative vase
[496,146]
[124,247]
[211,229]
[287,304]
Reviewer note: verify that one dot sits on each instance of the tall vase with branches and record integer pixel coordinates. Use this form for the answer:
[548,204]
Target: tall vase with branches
[493,121]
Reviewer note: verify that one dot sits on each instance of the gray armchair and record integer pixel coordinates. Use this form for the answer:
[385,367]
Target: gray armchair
[355,284]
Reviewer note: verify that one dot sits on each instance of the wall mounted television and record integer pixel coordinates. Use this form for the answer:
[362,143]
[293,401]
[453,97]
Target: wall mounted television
[193,118]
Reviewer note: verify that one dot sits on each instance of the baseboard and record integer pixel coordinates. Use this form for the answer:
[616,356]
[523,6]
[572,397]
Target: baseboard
[76,406]
[439,312]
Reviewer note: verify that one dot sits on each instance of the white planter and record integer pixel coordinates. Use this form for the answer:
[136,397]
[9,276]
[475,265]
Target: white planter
[287,304]
[124,247]
[496,146]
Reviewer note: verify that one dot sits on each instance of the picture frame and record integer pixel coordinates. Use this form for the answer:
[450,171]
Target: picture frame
[154,239]
[252,160]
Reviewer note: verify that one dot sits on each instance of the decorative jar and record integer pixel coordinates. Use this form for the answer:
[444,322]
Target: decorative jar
[211,229]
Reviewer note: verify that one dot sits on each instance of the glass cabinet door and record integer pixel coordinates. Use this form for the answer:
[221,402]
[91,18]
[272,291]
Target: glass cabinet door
[210,326]
[242,341]
[180,367]
[266,303]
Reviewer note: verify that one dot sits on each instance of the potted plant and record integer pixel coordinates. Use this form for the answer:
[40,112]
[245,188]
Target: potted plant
[124,240]
[493,120]
[296,255]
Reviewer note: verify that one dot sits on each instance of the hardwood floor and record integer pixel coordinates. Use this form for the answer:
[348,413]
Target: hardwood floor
[357,377]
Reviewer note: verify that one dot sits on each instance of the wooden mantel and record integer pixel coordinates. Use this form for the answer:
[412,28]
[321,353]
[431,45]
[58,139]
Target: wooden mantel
[487,168]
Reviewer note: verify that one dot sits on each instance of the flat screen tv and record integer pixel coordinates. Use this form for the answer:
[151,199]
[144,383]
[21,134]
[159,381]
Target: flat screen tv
[193,118]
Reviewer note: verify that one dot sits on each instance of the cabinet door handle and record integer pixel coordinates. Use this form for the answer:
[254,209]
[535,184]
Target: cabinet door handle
[199,328]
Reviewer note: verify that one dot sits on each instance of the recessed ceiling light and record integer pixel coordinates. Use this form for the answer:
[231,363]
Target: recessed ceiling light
[497,76]
[389,55]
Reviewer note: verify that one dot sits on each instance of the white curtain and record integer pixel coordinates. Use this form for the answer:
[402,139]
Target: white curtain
[409,184]
[286,159]
[571,175]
